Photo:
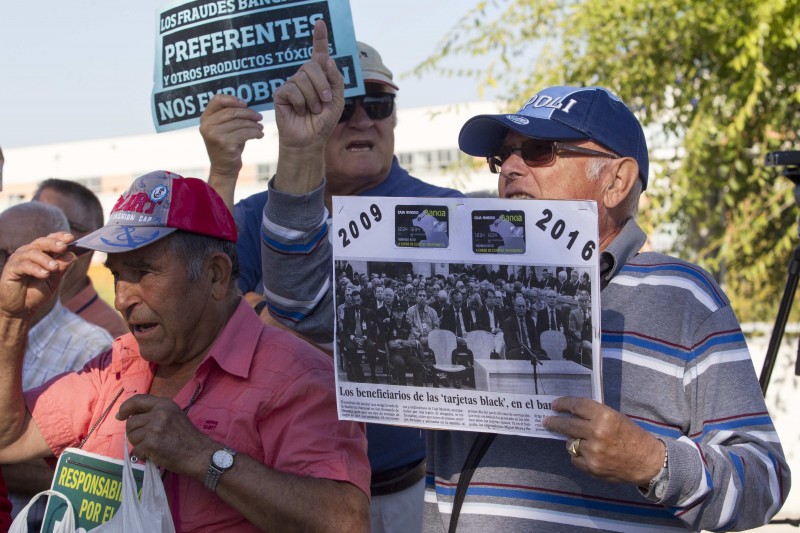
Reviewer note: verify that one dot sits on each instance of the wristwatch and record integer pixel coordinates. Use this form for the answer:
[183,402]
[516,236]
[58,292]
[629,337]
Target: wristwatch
[221,460]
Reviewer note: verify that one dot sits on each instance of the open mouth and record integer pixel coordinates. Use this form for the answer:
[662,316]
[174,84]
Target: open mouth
[143,329]
[359,146]
[520,196]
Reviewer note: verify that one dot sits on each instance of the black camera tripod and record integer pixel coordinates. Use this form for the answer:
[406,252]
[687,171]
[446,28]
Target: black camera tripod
[791,163]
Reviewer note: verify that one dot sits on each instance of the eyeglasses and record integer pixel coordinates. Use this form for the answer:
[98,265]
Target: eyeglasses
[376,107]
[536,153]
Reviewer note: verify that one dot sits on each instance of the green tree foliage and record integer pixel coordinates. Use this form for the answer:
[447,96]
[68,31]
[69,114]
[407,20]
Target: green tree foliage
[720,79]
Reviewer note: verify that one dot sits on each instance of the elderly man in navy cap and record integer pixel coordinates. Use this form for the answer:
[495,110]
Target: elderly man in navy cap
[683,439]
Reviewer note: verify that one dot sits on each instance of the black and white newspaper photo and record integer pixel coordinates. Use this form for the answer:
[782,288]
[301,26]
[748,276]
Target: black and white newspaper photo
[468,314]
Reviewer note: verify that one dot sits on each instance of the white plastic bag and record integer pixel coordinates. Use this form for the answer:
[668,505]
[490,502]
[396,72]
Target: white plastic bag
[66,525]
[151,514]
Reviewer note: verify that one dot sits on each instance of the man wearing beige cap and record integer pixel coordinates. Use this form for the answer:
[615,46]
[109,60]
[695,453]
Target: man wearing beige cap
[358,160]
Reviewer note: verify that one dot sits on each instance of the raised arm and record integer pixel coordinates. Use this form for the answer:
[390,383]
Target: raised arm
[29,278]
[296,251]
[307,108]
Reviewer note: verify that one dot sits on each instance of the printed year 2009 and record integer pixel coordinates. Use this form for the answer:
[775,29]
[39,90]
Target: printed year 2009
[353,226]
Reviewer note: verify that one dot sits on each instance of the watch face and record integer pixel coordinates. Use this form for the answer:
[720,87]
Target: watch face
[222,459]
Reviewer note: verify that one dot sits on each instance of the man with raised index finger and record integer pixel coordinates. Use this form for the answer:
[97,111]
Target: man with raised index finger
[349,142]
[239,415]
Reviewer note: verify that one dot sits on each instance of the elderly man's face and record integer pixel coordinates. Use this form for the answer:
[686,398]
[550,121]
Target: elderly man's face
[388,297]
[520,307]
[565,178]
[359,152]
[167,313]
[552,299]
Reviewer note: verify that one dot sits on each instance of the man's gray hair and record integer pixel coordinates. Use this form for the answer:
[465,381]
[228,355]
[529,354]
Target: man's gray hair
[195,249]
[595,169]
[45,218]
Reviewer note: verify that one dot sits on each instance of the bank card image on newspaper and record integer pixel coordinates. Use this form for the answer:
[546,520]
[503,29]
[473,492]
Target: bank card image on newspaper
[422,226]
[498,232]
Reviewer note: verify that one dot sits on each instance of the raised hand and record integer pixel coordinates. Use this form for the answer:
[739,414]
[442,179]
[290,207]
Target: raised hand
[226,125]
[309,104]
[32,273]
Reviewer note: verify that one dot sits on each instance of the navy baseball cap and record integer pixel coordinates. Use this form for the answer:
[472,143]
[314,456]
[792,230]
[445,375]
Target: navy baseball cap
[563,114]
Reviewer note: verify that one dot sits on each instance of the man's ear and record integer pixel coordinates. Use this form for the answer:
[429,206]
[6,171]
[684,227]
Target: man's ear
[220,268]
[625,173]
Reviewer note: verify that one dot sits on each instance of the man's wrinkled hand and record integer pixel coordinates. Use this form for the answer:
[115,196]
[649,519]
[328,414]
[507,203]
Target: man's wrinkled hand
[160,431]
[309,104]
[226,125]
[32,273]
[612,446]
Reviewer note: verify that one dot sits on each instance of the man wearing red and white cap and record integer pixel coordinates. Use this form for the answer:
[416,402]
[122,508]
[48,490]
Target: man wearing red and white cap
[240,416]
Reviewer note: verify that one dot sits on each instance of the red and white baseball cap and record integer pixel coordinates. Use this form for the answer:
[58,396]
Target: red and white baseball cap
[156,205]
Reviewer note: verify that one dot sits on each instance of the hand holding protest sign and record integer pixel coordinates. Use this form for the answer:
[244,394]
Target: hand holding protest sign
[226,125]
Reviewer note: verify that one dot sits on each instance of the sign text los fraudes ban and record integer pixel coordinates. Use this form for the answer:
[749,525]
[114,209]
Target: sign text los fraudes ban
[248,56]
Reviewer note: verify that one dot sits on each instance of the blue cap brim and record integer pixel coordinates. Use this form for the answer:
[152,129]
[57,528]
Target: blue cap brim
[482,135]
[114,238]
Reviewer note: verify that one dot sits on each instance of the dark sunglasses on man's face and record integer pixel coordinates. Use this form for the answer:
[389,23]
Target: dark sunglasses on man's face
[536,153]
[377,107]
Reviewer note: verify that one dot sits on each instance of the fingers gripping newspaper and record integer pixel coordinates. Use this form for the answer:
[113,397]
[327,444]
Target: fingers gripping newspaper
[468,313]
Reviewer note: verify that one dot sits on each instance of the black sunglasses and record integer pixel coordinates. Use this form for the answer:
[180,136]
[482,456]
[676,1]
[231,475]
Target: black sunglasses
[376,107]
[536,153]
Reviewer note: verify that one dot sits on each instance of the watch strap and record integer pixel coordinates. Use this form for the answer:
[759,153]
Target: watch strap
[214,473]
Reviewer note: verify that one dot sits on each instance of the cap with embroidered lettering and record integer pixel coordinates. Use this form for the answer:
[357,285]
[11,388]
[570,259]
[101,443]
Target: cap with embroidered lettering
[563,114]
[156,205]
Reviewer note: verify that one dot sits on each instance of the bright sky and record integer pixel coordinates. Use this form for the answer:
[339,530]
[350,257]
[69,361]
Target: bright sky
[83,69]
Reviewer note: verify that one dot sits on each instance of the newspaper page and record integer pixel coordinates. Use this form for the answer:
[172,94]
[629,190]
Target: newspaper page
[245,48]
[465,313]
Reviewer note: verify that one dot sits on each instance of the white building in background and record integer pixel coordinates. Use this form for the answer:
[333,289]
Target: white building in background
[425,142]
